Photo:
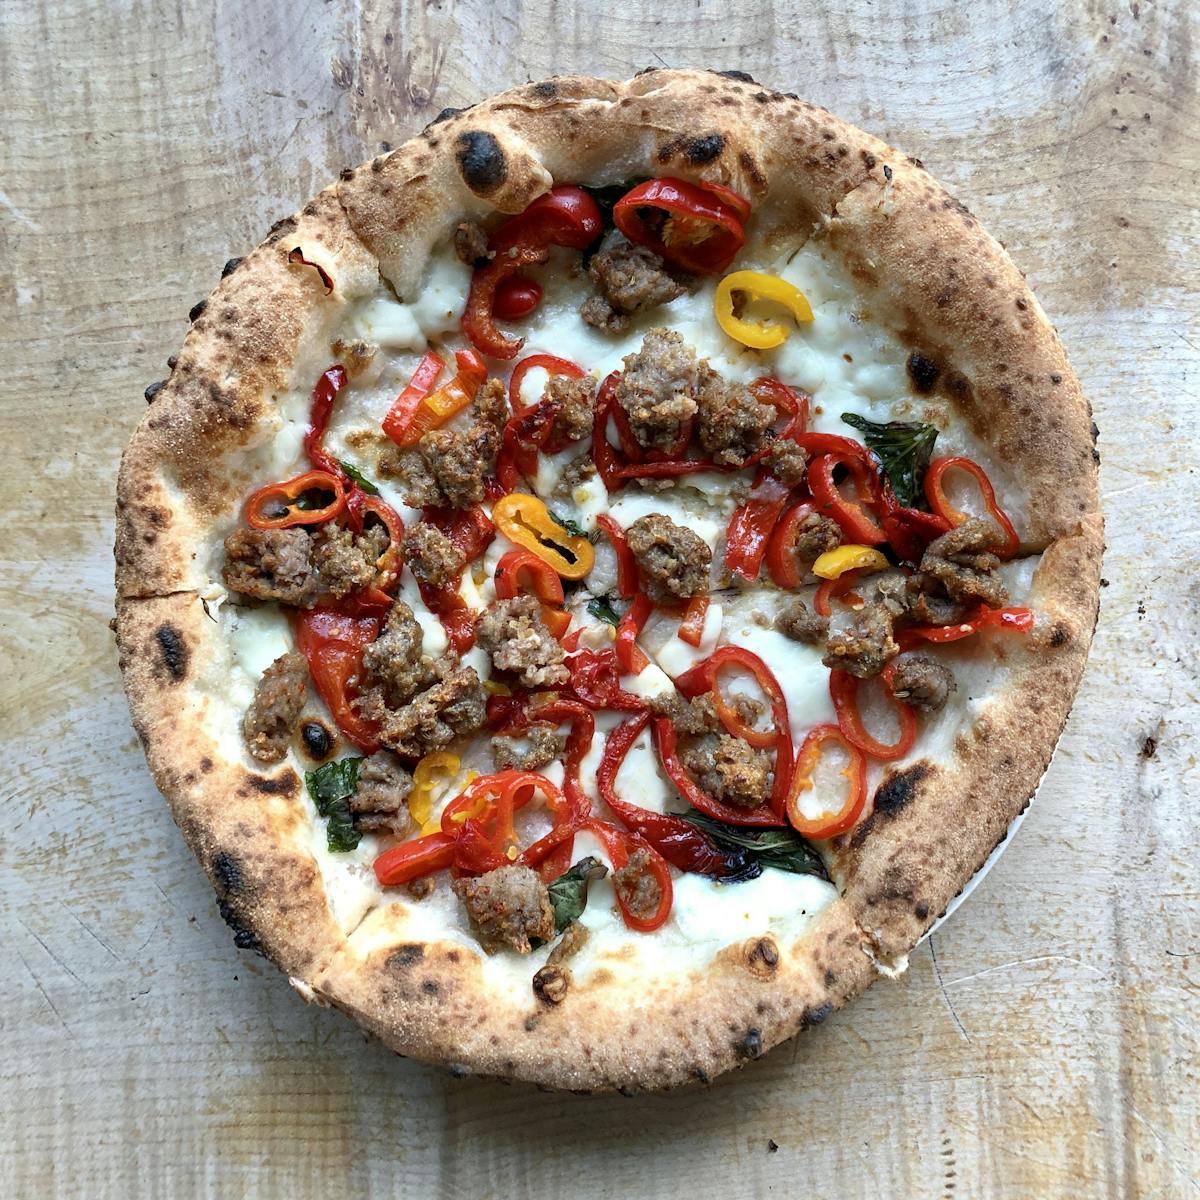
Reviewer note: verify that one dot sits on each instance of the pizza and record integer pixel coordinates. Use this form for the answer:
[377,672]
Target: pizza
[599,580]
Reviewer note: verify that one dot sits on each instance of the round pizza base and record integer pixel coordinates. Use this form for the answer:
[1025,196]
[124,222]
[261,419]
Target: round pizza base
[950,293]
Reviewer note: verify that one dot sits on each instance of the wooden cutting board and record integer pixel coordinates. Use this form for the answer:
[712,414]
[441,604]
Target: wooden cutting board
[1043,1044]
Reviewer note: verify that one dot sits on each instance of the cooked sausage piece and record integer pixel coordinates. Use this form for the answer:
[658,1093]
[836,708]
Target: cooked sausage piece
[537,748]
[674,562]
[272,564]
[657,389]
[629,279]
[698,716]
[922,681]
[816,534]
[963,562]
[787,460]
[449,708]
[431,556]
[866,645]
[393,662]
[730,770]
[379,805]
[637,886]
[346,562]
[576,403]
[801,624]
[278,700]
[508,907]
[516,637]
[470,243]
[733,425]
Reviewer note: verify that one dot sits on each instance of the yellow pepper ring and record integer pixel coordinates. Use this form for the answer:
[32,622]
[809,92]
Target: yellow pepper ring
[428,773]
[837,562]
[757,286]
[525,520]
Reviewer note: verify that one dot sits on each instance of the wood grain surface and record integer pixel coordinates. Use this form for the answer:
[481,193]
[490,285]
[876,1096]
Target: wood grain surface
[1043,1044]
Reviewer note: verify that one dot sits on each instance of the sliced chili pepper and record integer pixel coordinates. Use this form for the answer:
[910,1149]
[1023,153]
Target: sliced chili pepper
[681,844]
[274,506]
[321,406]
[595,679]
[389,564]
[456,615]
[636,452]
[691,628]
[909,530]
[702,230]
[525,520]
[936,495]
[470,530]
[564,216]
[832,821]
[843,689]
[416,859]
[666,739]
[404,407]
[435,409]
[782,561]
[515,298]
[759,286]
[608,466]
[630,655]
[750,527]
[1014,620]
[478,321]
[541,579]
[550,363]
[856,522]
[833,589]
[333,643]
[627,572]
[619,843]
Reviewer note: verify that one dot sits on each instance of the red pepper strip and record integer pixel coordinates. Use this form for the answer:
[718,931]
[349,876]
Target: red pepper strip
[832,589]
[691,628]
[321,406]
[788,403]
[389,564]
[739,204]
[632,659]
[271,507]
[405,406]
[750,526]
[456,615]
[619,845]
[681,844]
[471,531]
[665,739]
[478,322]
[833,821]
[541,579]
[415,859]
[702,232]
[627,572]
[564,216]
[782,561]
[595,679]
[370,602]
[435,409]
[529,428]
[551,364]
[704,677]
[669,470]
[843,688]
[608,466]
[1015,620]
[516,297]
[935,494]
[833,443]
[856,523]
[636,452]
[333,642]
[909,530]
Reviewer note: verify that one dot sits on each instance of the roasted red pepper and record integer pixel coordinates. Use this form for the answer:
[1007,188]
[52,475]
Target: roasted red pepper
[853,516]
[389,564]
[478,322]
[407,423]
[333,642]
[620,845]
[936,495]
[830,822]
[608,466]
[833,589]
[627,572]
[630,656]
[471,531]
[843,688]
[404,407]
[596,680]
[320,409]
[530,427]
[274,506]
[693,226]
[691,628]
[515,298]
[416,859]
[1014,620]
[782,562]
[909,530]
[750,527]
[541,579]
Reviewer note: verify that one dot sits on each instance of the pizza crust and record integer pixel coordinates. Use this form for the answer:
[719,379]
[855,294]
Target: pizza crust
[928,271]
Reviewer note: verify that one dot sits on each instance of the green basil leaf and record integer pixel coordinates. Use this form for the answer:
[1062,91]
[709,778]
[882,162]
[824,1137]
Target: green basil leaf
[568,893]
[358,477]
[601,608]
[783,849]
[904,449]
[573,527]
[331,786]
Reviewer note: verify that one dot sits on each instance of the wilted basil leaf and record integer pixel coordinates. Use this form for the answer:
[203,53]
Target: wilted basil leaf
[573,527]
[358,477]
[331,787]
[601,608]
[568,893]
[783,849]
[904,448]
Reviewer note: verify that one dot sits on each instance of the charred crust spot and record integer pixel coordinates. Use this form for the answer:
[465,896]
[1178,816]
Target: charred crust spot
[406,955]
[762,957]
[230,882]
[546,90]
[228,873]
[317,739]
[531,1023]
[444,115]
[751,168]
[897,790]
[700,1075]
[750,1046]
[172,362]
[243,938]
[923,372]
[887,172]
[430,987]
[1055,378]
[1060,635]
[453,956]
[740,76]
[481,161]
[206,765]
[153,390]
[230,266]
[346,174]
[286,784]
[458,1071]
[868,160]
[830,977]
[197,309]
[814,1016]
[921,910]
[916,162]
[172,650]
[704,149]
[282,226]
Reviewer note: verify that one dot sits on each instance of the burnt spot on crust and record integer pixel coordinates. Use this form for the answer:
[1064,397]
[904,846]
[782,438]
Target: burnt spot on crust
[546,90]
[405,956]
[230,885]
[1060,635]
[921,910]
[458,1071]
[317,739]
[445,115]
[762,957]
[740,76]
[750,1045]
[868,160]
[197,310]
[814,1016]
[230,266]
[922,371]
[282,226]
[285,784]
[897,790]
[481,161]
[697,150]
[172,650]
[153,390]
[431,987]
